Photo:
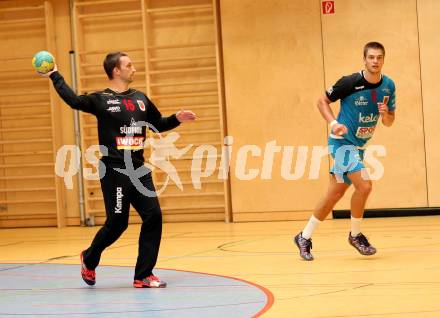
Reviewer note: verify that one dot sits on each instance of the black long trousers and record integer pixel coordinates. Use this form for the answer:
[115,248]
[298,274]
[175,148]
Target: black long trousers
[119,192]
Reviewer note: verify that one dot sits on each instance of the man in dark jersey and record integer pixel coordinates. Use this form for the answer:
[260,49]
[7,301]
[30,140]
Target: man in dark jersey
[123,114]
[365,97]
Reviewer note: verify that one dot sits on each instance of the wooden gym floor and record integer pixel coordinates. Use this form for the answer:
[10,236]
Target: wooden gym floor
[401,280]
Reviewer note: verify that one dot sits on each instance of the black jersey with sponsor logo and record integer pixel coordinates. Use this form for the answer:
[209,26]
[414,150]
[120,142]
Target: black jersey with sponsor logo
[119,118]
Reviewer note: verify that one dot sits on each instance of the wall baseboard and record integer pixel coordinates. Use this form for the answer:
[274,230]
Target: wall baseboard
[380,213]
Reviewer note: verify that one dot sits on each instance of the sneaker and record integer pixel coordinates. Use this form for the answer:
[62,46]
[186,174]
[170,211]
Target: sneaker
[149,282]
[304,245]
[360,242]
[88,275]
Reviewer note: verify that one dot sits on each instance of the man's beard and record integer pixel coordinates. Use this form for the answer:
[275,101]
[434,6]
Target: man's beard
[129,80]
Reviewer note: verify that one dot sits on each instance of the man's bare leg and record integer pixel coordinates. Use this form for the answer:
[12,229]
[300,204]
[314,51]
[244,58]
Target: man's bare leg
[363,187]
[334,193]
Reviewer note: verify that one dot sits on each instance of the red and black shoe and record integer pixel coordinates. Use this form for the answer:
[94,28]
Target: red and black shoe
[87,275]
[149,282]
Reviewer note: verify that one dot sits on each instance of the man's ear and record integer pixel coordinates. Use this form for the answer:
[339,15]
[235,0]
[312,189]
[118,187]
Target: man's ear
[116,71]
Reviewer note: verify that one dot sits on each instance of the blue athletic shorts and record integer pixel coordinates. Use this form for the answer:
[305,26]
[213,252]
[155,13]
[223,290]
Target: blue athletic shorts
[348,158]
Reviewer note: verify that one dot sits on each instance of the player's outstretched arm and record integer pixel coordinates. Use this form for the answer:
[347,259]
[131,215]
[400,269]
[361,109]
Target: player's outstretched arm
[161,123]
[185,116]
[82,102]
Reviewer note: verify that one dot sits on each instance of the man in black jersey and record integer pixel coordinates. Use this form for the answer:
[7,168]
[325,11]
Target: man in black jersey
[123,114]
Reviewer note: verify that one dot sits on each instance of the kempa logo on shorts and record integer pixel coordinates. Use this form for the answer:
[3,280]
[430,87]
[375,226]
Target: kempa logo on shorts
[361,101]
[119,195]
[371,118]
[114,109]
[113,102]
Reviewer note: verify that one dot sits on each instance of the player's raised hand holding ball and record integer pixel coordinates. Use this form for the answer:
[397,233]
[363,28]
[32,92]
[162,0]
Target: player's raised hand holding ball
[44,63]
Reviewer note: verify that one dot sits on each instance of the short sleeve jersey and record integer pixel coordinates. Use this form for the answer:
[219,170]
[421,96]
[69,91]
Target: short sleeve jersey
[359,104]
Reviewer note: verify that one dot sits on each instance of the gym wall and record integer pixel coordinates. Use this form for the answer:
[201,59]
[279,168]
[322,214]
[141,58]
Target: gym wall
[251,70]
[285,53]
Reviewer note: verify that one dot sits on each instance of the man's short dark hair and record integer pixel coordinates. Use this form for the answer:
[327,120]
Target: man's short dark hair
[111,61]
[373,45]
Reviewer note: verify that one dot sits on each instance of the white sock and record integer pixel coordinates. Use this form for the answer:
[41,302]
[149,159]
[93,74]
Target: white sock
[310,227]
[355,226]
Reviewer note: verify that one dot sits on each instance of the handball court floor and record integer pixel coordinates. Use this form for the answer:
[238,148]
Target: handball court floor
[228,270]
